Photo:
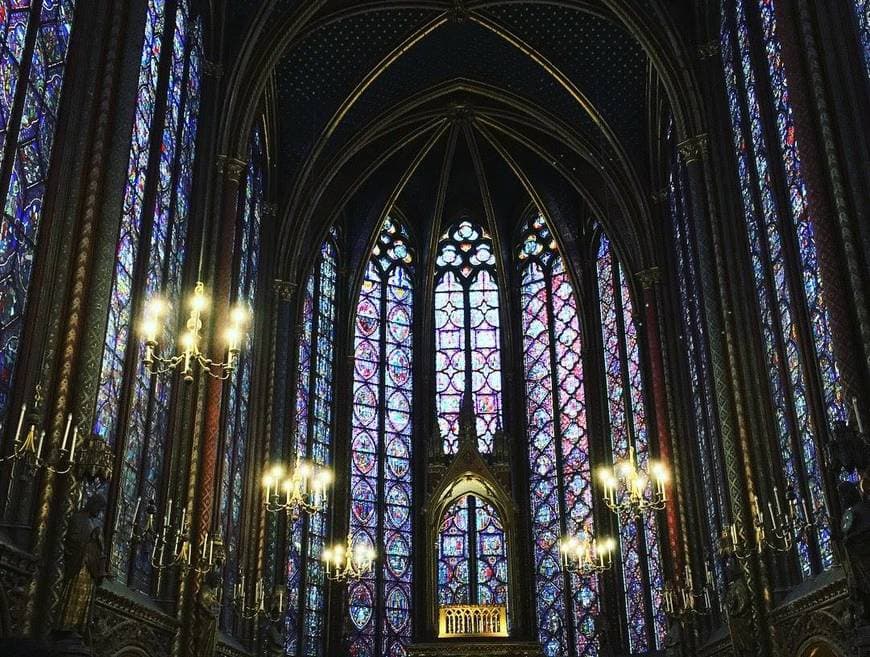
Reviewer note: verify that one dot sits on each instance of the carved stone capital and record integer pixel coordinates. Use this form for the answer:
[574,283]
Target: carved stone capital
[695,148]
[284,290]
[649,278]
[234,168]
[659,197]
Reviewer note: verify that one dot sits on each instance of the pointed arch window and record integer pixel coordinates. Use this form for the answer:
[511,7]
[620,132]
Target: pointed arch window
[702,421]
[380,470]
[306,577]
[132,410]
[34,44]
[467,333]
[642,573]
[472,554]
[236,431]
[782,250]
[559,461]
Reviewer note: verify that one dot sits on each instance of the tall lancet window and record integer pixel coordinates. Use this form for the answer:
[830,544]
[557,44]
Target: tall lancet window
[380,469]
[559,464]
[467,334]
[781,244]
[34,43]
[132,411]
[642,573]
[702,422]
[236,431]
[313,429]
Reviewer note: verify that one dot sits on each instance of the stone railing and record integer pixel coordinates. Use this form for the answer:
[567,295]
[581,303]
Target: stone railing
[458,621]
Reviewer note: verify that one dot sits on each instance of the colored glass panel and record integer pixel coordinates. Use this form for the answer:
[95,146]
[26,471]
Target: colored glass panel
[862,13]
[236,416]
[144,435]
[467,333]
[694,340]
[313,440]
[380,604]
[772,266]
[641,558]
[560,474]
[34,86]
[472,554]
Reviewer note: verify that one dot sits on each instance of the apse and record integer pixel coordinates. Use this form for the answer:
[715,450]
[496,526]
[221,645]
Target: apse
[420,328]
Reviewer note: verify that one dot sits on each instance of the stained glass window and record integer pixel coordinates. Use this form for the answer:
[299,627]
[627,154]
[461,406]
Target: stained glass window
[31,80]
[380,470]
[132,411]
[862,12]
[313,441]
[467,334]
[236,416]
[472,554]
[702,422]
[642,573]
[782,282]
[559,462]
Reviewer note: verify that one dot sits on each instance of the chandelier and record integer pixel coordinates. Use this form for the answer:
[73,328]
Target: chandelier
[344,564]
[190,356]
[584,556]
[303,489]
[629,491]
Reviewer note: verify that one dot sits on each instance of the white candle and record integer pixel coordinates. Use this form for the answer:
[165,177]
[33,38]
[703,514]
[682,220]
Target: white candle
[776,499]
[75,438]
[168,518]
[183,517]
[280,601]
[204,544]
[39,449]
[66,432]
[734,535]
[772,516]
[136,510]
[211,552]
[857,415]
[20,423]
[806,511]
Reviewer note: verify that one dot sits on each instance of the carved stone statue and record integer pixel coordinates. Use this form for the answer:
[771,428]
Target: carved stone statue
[207,609]
[738,605]
[272,631]
[855,526]
[674,639]
[84,565]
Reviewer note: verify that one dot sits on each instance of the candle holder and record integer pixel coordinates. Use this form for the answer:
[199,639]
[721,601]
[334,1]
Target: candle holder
[29,442]
[730,543]
[681,598]
[156,311]
[630,492]
[273,611]
[584,556]
[787,524]
[302,490]
[349,563]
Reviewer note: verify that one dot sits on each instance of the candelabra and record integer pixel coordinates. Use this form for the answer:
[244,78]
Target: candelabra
[584,556]
[344,564]
[303,489]
[681,599]
[27,447]
[273,611]
[176,539]
[156,311]
[786,525]
[630,492]
[732,544]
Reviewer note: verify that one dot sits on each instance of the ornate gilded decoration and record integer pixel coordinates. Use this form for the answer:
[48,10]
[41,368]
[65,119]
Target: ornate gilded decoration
[472,621]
